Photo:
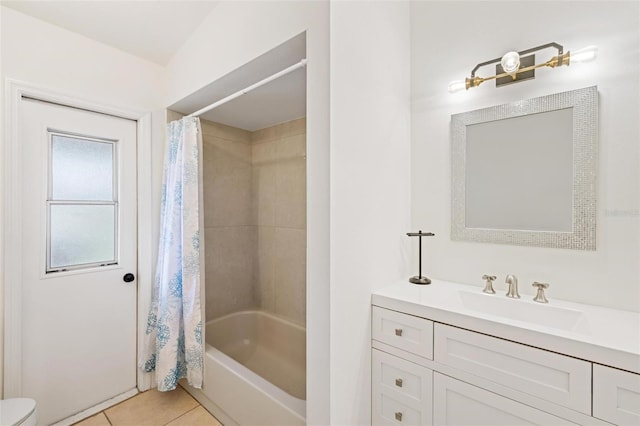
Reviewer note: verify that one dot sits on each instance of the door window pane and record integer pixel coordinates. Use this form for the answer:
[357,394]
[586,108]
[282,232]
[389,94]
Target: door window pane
[81,169]
[82,203]
[82,234]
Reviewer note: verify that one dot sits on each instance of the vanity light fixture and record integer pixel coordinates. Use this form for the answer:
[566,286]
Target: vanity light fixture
[515,66]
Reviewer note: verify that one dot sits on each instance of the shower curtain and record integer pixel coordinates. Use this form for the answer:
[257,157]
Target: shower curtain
[173,340]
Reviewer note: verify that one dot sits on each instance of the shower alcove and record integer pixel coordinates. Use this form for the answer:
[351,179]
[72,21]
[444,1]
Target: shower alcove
[254,201]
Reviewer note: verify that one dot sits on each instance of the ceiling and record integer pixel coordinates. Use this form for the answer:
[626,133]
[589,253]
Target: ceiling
[156,29]
[281,100]
[153,30]
[277,102]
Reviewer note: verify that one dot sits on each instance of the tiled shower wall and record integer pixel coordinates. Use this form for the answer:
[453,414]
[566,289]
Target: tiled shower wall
[255,219]
[230,234]
[278,195]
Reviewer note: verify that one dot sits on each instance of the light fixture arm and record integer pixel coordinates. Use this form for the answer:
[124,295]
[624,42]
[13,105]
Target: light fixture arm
[514,67]
[521,53]
[561,59]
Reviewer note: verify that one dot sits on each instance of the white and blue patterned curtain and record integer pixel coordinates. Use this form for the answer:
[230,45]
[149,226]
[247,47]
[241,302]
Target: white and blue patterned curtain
[173,346]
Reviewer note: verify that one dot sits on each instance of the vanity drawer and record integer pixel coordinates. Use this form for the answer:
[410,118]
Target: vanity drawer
[404,379]
[557,378]
[393,412]
[400,386]
[413,334]
[616,395]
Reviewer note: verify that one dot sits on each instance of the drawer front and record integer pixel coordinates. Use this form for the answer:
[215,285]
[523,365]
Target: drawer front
[616,395]
[403,331]
[458,403]
[393,412]
[406,381]
[557,378]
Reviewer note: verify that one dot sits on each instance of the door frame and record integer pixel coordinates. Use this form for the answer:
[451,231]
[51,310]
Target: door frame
[11,221]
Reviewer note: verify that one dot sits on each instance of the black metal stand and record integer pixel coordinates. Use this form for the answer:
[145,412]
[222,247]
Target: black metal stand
[419,279]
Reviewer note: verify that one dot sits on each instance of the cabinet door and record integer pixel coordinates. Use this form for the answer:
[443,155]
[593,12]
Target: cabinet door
[459,403]
[401,391]
[616,395]
[557,378]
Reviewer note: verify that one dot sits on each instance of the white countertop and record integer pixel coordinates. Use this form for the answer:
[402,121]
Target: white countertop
[601,335]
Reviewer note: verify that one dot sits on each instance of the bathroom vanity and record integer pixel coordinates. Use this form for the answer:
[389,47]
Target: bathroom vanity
[448,354]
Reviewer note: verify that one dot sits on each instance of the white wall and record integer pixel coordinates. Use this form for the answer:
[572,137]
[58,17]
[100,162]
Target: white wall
[447,40]
[232,35]
[370,157]
[370,185]
[40,53]
[44,55]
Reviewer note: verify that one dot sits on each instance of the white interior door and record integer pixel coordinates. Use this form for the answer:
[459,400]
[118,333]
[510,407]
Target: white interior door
[79,241]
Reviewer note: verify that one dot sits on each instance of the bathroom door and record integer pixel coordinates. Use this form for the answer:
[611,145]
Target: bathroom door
[79,243]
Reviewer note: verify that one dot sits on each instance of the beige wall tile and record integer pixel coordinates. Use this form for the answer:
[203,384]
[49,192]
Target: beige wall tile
[208,202]
[227,154]
[230,254]
[209,128]
[293,147]
[293,127]
[98,420]
[151,408]
[264,152]
[227,188]
[263,135]
[290,274]
[279,131]
[236,149]
[263,194]
[265,267]
[251,259]
[209,273]
[291,194]
[196,417]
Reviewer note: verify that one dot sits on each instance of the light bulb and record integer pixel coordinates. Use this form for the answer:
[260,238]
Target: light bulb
[456,86]
[510,62]
[586,54]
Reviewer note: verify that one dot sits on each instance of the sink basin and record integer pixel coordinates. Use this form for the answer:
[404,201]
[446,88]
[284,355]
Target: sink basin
[546,315]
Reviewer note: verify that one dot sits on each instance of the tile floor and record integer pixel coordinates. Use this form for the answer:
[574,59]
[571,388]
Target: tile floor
[153,408]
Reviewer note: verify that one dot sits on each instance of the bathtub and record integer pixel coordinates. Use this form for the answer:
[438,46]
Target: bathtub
[255,368]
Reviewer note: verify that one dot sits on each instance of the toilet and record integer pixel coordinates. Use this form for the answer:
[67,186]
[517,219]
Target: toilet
[18,412]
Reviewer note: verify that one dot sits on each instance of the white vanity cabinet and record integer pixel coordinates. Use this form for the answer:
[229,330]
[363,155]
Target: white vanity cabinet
[428,372]
[464,357]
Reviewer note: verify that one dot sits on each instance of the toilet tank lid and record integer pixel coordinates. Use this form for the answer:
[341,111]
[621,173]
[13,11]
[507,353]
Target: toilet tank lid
[16,410]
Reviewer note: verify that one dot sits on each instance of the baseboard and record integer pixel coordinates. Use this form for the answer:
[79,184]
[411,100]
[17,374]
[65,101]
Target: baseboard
[97,408]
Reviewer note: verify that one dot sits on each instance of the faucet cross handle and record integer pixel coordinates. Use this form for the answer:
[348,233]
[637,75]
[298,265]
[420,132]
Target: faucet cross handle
[512,286]
[540,297]
[488,287]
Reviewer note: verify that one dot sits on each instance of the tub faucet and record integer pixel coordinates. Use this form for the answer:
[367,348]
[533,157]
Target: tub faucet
[512,286]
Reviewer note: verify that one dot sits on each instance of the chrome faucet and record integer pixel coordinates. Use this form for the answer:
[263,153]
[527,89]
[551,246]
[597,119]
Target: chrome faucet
[512,286]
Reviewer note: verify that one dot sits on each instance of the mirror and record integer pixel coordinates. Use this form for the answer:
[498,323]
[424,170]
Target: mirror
[525,173]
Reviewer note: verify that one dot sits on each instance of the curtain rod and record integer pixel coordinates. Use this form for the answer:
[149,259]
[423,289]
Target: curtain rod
[239,93]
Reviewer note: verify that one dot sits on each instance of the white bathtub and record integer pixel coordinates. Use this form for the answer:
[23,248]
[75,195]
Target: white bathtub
[255,368]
